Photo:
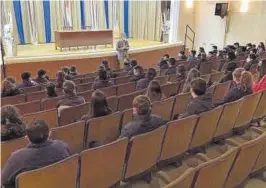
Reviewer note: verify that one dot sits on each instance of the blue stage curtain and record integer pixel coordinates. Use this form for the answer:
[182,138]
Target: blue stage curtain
[82,14]
[106,13]
[47,20]
[18,16]
[126,18]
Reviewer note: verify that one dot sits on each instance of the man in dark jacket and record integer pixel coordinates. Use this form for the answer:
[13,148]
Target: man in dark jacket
[172,67]
[143,120]
[144,82]
[26,81]
[251,60]
[40,152]
[201,102]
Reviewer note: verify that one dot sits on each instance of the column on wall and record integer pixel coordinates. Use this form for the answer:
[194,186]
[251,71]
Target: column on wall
[174,19]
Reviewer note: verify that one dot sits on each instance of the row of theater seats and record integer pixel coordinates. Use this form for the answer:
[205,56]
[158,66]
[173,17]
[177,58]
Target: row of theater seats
[127,160]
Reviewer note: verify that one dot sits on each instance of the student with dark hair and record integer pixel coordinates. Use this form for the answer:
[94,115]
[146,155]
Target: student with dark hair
[193,73]
[26,80]
[42,78]
[182,55]
[201,101]
[261,48]
[181,73]
[163,65]
[249,46]
[214,50]
[238,49]
[192,57]
[165,57]
[201,51]
[133,63]
[228,74]
[40,152]
[154,91]
[107,68]
[71,98]
[12,126]
[60,79]
[143,121]
[230,57]
[9,89]
[11,79]
[261,84]
[66,70]
[103,80]
[251,60]
[211,55]
[253,51]
[138,73]
[50,90]
[127,66]
[73,70]
[144,82]
[172,67]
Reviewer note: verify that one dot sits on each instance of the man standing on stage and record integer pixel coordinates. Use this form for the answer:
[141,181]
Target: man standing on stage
[122,48]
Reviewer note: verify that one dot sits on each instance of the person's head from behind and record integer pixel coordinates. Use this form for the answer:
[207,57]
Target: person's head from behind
[237,74]
[69,87]
[181,53]
[261,46]
[41,73]
[165,57]
[37,132]
[244,49]
[164,64]
[230,67]
[11,79]
[249,45]
[231,55]
[172,62]
[198,87]
[154,89]
[60,76]
[251,57]
[193,73]
[201,50]
[73,69]
[102,74]
[7,85]
[246,81]
[99,104]
[181,70]
[133,63]
[236,44]
[214,48]
[66,70]
[261,68]
[25,76]
[193,53]
[138,70]
[141,105]
[105,64]
[151,73]
[51,90]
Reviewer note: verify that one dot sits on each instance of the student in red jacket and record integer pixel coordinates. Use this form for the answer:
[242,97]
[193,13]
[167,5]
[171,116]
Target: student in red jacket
[261,84]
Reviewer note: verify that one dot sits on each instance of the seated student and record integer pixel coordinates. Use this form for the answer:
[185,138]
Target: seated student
[67,75]
[26,81]
[103,80]
[132,63]
[60,79]
[229,72]
[211,55]
[214,50]
[12,126]
[201,101]
[241,52]
[181,73]
[71,98]
[182,55]
[237,75]
[242,89]
[99,106]
[163,65]
[144,82]
[109,71]
[192,57]
[238,48]
[42,78]
[11,79]
[163,60]
[251,60]
[172,67]
[127,66]
[193,73]
[143,121]
[73,70]
[253,51]
[201,51]
[261,84]
[249,47]
[50,90]
[230,57]
[9,89]
[220,54]
[154,91]
[40,152]
[138,73]
[261,48]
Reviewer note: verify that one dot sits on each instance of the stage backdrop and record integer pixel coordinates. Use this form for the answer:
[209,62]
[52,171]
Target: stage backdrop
[35,21]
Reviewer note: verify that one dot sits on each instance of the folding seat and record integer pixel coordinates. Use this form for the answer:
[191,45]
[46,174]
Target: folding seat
[87,80]
[29,107]
[32,89]
[206,77]
[13,100]
[39,95]
[84,87]
[245,161]
[102,167]
[73,114]
[126,101]
[172,78]
[170,90]
[181,102]
[122,80]
[109,91]
[50,103]
[177,139]
[127,117]
[103,129]
[79,76]
[61,174]
[216,77]
[164,108]
[72,134]
[205,128]
[227,120]
[120,74]
[91,74]
[143,153]
[205,68]
[127,88]
[8,147]
[77,81]
[48,115]
[220,91]
[161,79]
[86,95]
[217,65]
[261,108]
[246,111]
[113,102]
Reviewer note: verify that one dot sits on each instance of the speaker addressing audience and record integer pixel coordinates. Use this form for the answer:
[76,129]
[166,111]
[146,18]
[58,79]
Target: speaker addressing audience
[144,82]
[143,121]
[261,84]
[154,91]
[9,89]
[26,80]
[40,152]
[122,47]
